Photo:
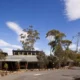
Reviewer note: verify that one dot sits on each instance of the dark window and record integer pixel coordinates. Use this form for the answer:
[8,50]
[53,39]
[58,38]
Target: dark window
[29,53]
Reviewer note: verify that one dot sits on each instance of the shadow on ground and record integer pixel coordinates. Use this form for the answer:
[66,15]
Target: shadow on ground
[77,78]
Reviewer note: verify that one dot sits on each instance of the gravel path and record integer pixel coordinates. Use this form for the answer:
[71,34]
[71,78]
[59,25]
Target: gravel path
[44,75]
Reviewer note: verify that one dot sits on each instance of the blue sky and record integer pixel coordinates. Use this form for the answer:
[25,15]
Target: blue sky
[44,15]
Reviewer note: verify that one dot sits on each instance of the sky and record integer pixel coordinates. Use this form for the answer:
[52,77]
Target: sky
[43,15]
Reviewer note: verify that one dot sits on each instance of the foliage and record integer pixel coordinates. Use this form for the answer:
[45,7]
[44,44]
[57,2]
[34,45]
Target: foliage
[42,59]
[69,56]
[29,38]
[66,43]
[57,34]
[77,60]
[52,60]
[56,44]
[58,37]
[58,51]
[2,54]
[53,45]
[6,66]
[60,47]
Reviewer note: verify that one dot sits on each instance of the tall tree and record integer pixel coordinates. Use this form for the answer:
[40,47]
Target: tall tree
[57,38]
[66,43]
[2,54]
[56,44]
[77,61]
[42,59]
[68,54]
[29,40]
[52,60]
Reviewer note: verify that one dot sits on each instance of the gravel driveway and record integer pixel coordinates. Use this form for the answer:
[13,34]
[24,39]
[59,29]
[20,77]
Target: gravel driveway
[66,74]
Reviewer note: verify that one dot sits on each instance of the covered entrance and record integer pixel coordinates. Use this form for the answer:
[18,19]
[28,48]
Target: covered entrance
[20,62]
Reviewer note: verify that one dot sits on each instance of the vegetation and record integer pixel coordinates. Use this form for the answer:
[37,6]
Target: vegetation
[60,48]
[6,67]
[66,44]
[52,61]
[56,44]
[29,40]
[2,54]
[62,55]
[77,60]
[43,61]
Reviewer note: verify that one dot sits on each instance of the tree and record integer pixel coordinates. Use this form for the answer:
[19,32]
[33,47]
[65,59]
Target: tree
[52,60]
[56,44]
[42,59]
[59,54]
[68,56]
[57,38]
[77,60]
[29,40]
[6,67]
[66,43]
[2,56]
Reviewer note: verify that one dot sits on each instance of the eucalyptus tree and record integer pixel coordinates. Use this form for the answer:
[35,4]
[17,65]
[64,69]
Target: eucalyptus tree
[2,57]
[29,39]
[57,38]
[66,44]
[42,59]
[77,61]
[52,61]
[68,54]
[2,54]
[56,44]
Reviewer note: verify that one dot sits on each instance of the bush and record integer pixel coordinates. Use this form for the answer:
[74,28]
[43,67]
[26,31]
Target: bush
[6,66]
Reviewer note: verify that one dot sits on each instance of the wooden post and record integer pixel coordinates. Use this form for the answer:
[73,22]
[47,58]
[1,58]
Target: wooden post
[26,65]
[33,65]
[1,65]
[12,66]
[18,65]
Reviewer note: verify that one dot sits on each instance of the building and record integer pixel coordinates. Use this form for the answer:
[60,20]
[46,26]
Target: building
[21,59]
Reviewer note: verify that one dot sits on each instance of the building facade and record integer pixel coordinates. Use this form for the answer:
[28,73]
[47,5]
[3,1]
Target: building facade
[21,59]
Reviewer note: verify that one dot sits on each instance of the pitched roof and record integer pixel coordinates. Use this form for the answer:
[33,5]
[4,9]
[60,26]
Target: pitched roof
[19,58]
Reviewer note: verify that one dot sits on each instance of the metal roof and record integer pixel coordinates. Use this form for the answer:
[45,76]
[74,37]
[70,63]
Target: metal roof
[26,51]
[20,58]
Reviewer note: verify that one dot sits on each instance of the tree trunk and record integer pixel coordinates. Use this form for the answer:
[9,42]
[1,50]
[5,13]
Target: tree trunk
[59,65]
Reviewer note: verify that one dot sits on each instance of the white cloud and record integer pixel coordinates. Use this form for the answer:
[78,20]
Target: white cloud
[8,50]
[36,48]
[16,46]
[3,43]
[72,46]
[7,47]
[47,52]
[72,9]
[16,28]
[51,38]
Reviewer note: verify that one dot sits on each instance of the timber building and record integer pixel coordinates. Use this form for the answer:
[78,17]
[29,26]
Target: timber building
[21,59]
